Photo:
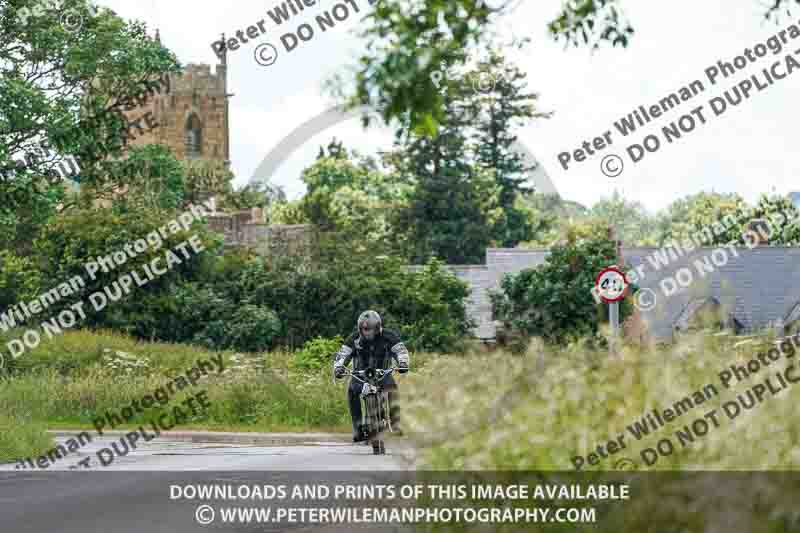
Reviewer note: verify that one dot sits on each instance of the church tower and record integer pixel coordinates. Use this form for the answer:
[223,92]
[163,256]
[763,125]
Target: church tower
[191,118]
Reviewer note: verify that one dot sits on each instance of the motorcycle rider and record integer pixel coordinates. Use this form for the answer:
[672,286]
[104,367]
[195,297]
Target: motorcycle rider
[370,346]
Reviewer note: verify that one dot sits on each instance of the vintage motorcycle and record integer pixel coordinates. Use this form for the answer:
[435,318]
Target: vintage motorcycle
[374,406]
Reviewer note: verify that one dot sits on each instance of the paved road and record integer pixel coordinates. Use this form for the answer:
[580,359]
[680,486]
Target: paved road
[133,493]
[332,453]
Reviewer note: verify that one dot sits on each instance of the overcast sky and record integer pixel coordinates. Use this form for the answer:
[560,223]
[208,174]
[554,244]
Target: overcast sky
[750,149]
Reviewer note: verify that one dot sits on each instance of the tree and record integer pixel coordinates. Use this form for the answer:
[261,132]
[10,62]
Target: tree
[557,206]
[336,150]
[780,211]
[60,91]
[454,203]
[349,194]
[260,194]
[498,109]
[149,176]
[395,78]
[19,279]
[778,8]
[469,182]
[78,237]
[715,219]
[554,217]
[427,305]
[591,22]
[19,228]
[206,178]
[687,216]
[286,213]
[631,221]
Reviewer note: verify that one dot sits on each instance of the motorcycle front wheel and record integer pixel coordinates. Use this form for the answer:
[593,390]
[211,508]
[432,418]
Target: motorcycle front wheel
[378,447]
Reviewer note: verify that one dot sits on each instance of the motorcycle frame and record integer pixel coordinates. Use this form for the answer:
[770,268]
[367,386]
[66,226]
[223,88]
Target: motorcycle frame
[379,392]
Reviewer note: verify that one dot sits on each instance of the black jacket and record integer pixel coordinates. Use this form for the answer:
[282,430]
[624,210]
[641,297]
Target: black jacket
[377,353]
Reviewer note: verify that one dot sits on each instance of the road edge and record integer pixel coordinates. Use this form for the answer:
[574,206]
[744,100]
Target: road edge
[228,437]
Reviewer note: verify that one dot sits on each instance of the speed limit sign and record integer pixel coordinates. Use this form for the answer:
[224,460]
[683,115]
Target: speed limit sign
[611,284]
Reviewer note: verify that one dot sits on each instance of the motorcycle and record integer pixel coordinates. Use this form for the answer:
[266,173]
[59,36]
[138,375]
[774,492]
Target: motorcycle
[375,417]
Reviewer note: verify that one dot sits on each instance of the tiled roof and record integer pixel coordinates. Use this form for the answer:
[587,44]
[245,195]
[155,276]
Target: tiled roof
[758,286]
[483,278]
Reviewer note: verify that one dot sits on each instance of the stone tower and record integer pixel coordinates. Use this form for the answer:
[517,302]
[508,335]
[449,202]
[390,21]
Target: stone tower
[191,118]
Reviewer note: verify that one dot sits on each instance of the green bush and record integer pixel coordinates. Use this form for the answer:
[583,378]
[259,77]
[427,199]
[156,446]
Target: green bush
[79,350]
[554,300]
[430,306]
[235,300]
[74,239]
[211,319]
[323,297]
[252,328]
[317,353]
[19,279]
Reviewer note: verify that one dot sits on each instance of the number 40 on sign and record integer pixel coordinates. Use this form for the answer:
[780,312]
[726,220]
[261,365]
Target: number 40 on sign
[611,285]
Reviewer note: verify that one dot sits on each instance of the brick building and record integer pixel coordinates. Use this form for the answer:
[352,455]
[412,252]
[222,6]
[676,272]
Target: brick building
[192,117]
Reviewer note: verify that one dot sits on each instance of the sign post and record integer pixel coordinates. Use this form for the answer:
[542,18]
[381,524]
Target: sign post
[613,318]
[612,286]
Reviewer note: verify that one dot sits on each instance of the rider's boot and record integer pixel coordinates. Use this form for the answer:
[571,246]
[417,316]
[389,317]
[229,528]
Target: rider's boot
[358,435]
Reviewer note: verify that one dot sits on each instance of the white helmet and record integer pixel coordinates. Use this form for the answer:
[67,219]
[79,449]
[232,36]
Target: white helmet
[369,325]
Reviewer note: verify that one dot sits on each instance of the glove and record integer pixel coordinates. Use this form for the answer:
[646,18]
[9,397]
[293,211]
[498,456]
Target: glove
[338,371]
[402,368]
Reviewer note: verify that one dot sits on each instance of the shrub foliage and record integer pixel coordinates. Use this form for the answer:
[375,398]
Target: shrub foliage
[554,300]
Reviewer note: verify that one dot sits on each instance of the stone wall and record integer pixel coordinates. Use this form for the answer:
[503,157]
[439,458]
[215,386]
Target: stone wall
[247,228]
[288,239]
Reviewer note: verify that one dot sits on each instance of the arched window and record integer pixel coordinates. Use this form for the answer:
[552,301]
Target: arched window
[194,137]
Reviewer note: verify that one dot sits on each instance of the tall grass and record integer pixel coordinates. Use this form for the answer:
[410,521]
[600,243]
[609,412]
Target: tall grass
[75,377]
[22,438]
[537,411]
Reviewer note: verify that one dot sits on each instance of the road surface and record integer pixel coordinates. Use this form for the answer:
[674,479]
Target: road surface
[135,493]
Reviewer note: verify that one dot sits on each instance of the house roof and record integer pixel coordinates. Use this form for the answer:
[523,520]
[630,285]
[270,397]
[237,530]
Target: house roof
[755,287]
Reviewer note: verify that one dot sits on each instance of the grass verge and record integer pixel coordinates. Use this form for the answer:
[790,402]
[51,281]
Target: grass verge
[71,380]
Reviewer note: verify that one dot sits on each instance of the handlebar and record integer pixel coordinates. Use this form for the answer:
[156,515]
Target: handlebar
[380,372]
